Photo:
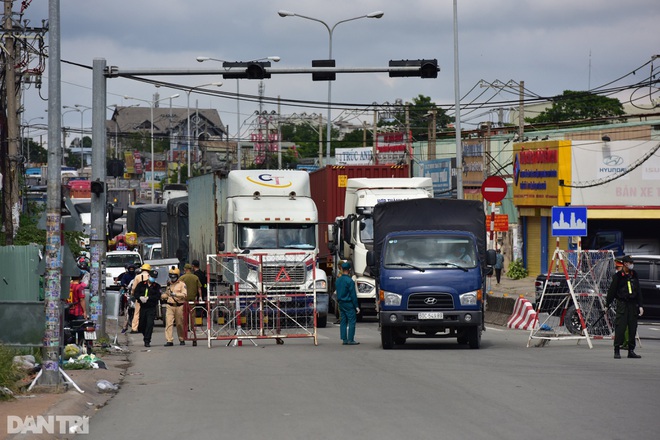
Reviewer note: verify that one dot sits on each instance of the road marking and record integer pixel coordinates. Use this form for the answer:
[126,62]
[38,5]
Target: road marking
[496,329]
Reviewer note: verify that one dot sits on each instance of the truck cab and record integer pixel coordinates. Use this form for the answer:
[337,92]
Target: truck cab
[353,232]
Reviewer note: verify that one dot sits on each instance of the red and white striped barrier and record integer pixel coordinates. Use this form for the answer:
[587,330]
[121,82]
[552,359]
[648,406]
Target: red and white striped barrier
[524,315]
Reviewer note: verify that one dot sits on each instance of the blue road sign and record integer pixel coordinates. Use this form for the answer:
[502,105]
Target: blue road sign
[569,221]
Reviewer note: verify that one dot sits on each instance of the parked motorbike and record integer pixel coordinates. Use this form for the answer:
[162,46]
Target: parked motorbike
[81,332]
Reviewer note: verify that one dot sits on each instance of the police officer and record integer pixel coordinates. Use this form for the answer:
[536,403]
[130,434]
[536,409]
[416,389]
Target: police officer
[146,294]
[139,278]
[175,295]
[625,289]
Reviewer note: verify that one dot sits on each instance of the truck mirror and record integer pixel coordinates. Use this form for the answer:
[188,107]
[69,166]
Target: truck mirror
[370,258]
[491,257]
[220,238]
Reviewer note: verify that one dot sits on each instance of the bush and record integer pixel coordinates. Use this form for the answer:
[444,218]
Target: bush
[10,374]
[516,270]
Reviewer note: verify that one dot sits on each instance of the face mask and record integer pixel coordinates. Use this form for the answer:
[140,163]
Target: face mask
[630,266]
[173,278]
[152,279]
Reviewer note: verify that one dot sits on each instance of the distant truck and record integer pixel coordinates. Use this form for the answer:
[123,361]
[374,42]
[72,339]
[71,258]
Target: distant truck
[259,211]
[174,190]
[430,262]
[352,232]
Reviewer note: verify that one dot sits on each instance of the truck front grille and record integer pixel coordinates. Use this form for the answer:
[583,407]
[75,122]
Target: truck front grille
[284,275]
[428,301]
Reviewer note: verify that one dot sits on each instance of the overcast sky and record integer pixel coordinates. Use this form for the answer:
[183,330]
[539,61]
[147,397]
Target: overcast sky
[551,45]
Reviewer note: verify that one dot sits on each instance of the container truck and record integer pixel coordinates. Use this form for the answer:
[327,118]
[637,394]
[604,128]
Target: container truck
[259,211]
[346,196]
[430,263]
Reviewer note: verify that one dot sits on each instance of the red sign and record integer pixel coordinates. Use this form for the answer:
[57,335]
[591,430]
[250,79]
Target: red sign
[500,223]
[493,189]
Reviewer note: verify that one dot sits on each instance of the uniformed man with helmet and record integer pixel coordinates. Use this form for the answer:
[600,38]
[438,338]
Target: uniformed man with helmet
[176,295]
[626,290]
[142,276]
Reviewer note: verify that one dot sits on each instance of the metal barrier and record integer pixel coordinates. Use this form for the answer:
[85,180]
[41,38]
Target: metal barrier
[255,296]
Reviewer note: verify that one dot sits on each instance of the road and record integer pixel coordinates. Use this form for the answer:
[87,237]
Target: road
[427,389]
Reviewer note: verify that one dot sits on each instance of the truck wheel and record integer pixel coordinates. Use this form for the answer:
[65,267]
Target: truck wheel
[474,337]
[572,321]
[387,337]
[462,339]
[321,321]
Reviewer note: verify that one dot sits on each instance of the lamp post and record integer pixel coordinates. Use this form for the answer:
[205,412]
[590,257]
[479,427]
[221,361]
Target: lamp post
[152,104]
[27,125]
[238,101]
[188,91]
[76,108]
[64,129]
[375,14]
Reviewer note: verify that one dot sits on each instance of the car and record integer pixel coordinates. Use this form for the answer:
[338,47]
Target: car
[115,265]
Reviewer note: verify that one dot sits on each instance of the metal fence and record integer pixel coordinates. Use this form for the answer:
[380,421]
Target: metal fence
[252,297]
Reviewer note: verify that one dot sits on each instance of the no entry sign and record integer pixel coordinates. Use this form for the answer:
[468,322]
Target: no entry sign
[493,189]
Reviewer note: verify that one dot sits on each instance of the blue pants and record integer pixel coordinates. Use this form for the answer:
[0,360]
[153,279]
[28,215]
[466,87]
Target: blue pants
[347,318]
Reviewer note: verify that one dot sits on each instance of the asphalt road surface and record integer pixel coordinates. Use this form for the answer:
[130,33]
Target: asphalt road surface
[426,389]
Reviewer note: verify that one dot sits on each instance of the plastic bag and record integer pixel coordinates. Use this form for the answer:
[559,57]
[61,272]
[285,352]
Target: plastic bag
[106,387]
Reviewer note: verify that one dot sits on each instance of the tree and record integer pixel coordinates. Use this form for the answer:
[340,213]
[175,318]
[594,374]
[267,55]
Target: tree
[572,106]
[419,113]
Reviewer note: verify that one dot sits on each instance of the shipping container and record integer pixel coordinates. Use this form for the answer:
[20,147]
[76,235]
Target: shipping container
[122,197]
[328,187]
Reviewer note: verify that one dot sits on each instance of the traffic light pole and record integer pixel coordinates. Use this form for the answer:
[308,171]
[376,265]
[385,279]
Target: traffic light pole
[98,240]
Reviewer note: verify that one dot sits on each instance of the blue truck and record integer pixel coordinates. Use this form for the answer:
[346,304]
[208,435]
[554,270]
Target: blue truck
[430,263]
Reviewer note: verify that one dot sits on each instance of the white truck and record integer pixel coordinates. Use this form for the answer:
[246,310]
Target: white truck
[352,233]
[259,211]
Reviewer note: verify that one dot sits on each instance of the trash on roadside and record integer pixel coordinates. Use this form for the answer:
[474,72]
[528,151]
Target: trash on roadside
[105,386]
[26,362]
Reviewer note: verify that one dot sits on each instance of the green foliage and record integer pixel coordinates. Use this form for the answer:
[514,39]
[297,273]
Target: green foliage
[516,270]
[572,106]
[419,111]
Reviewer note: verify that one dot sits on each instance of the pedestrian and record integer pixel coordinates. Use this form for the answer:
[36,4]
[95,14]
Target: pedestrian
[499,265]
[175,295]
[201,275]
[626,290]
[192,282]
[348,305]
[147,294]
[77,303]
[139,278]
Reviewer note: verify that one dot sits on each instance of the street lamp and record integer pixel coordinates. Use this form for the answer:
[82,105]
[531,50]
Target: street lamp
[27,125]
[152,104]
[76,108]
[188,91]
[238,102]
[375,14]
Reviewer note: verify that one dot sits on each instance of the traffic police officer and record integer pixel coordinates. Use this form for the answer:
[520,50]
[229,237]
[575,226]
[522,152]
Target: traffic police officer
[175,295]
[625,289]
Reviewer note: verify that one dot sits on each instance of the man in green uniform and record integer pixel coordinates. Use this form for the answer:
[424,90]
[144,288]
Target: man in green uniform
[625,289]
[348,305]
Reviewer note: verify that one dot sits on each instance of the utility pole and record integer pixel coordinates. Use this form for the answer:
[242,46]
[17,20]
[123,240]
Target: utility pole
[521,112]
[10,205]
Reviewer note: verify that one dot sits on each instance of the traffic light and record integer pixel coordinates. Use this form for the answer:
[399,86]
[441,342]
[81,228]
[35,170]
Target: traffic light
[249,70]
[97,187]
[113,214]
[426,68]
[323,76]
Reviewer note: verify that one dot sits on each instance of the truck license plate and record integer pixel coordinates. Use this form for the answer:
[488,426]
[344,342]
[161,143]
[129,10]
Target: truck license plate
[430,315]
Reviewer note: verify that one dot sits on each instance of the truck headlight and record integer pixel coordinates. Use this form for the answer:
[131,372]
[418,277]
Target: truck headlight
[391,299]
[365,288]
[321,285]
[468,299]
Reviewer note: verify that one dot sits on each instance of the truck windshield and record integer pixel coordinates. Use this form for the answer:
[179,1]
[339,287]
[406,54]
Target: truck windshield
[426,252]
[121,260]
[277,236]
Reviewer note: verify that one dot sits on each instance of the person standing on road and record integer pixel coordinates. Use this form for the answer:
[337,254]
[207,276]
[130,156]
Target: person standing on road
[348,305]
[175,295]
[628,294]
[139,278]
[201,275]
[147,294]
[499,265]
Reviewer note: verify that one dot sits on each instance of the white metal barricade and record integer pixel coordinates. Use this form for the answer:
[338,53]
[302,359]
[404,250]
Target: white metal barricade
[255,296]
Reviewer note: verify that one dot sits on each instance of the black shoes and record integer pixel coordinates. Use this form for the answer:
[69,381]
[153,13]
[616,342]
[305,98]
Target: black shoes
[633,355]
[617,353]
[168,344]
[182,342]
[146,344]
